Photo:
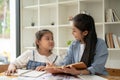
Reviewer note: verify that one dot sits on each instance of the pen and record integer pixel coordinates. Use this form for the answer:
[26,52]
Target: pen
[55,59]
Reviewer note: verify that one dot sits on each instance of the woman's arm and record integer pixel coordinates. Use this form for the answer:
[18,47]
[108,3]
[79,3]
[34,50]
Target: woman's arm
[98,65]
[68,58]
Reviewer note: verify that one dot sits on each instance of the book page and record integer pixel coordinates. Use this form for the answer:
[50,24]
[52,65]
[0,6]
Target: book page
[19,72]
[28,73]
[33,73]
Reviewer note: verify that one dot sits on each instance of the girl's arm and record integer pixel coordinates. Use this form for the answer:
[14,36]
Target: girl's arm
[23,59]
[11,69]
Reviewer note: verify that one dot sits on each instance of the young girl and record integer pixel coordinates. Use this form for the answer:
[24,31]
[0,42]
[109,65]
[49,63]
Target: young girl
[37,59]
[86,48]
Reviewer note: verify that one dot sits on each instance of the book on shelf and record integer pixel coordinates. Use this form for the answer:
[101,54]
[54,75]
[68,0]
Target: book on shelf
[28,73]
[118,39]
[58,69]
[111,40]
[115,41]
[111,15]
[107,40]
[115,16]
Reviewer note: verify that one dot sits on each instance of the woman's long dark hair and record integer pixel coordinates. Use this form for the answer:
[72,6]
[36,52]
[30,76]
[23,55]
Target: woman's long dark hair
[86,23]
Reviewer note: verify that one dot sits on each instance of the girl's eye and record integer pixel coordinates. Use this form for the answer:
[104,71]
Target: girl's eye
[73,31]
[48,39]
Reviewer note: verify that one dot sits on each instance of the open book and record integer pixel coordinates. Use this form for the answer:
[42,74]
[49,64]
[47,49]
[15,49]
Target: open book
[58,69]
[28,73]
[79,65]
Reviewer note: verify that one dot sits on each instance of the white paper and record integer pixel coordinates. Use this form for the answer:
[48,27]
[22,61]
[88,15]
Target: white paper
[33,73]
[29,73]
[91,77]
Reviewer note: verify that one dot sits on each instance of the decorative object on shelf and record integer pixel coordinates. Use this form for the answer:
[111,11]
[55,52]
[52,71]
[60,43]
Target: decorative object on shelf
[52,23]
[85,12]
[70,19]
[32,24]
[69,42]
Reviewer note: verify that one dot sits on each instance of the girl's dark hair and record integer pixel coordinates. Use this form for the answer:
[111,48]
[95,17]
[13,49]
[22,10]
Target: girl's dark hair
[39,34]
[85,22]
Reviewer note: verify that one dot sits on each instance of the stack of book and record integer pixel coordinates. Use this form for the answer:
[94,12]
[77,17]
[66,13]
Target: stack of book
[111,15]
[112,40]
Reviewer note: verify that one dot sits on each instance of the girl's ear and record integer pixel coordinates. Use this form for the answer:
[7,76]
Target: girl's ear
[37,41]
[85,33]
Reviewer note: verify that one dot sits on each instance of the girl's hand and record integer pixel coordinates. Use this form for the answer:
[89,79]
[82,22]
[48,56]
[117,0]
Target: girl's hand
[40,68]
[50,65]
[11,69]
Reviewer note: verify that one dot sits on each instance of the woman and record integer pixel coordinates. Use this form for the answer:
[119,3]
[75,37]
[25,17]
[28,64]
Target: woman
[86,48]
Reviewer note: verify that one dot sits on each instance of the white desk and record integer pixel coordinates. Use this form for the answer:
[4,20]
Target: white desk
[49,76]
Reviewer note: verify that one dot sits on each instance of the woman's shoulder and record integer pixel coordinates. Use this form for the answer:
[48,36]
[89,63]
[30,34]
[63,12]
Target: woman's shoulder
[75,42]
[101,43]
[100,40]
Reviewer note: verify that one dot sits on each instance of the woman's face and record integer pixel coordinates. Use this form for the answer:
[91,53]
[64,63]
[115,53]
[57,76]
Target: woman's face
[78,35]
[46,42]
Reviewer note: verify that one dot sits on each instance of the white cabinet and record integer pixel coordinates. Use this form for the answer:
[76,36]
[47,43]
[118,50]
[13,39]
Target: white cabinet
[54,14]
[113,27]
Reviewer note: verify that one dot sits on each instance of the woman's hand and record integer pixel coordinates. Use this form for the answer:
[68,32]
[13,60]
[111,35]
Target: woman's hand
[73,71]
[40,68]
[70,70]
[11,69]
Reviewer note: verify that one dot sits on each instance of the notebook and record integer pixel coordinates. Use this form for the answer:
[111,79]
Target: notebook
[28,73]
[55,69]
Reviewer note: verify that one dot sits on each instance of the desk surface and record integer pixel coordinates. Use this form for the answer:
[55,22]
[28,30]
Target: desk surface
[60,77]
[112,77]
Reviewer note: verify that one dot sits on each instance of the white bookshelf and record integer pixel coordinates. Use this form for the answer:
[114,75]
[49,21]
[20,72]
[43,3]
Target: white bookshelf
[45,13]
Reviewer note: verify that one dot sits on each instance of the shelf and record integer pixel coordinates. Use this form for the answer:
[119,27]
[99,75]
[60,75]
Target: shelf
[68,3]
[66,26]
[112,22]
[114,49]
[90,0]
[48,5]
[42,2]
[31,7]
[31,27]
[54,15]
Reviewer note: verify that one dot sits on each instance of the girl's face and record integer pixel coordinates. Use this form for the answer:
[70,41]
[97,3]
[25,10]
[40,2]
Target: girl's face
[79,35]
[46,42]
